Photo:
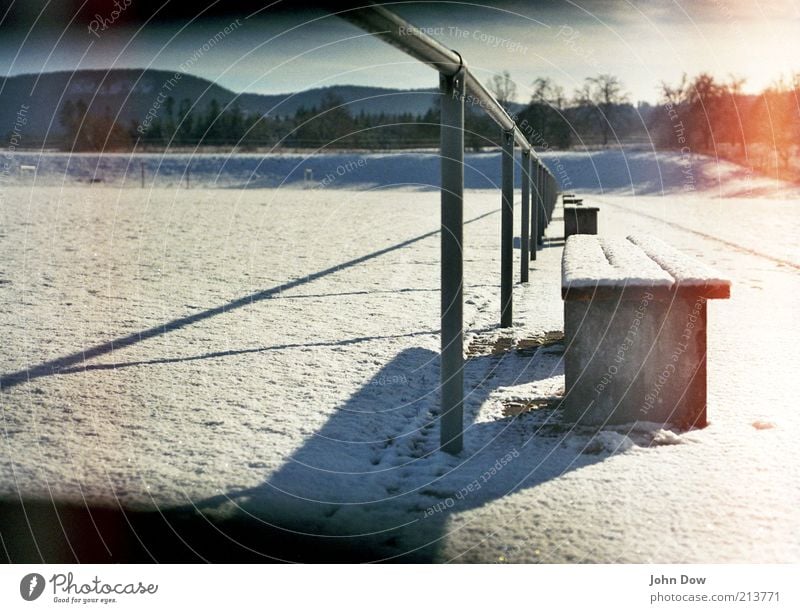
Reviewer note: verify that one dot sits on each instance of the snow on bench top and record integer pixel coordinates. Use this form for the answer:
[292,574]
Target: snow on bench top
[686,270]
[591,264]
[595,267]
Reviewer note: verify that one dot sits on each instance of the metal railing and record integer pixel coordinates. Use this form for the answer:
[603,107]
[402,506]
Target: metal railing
[455,80]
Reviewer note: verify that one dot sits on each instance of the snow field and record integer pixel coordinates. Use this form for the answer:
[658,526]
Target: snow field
[275,353]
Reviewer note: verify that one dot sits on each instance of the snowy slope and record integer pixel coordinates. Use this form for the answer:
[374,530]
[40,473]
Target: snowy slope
[629,171]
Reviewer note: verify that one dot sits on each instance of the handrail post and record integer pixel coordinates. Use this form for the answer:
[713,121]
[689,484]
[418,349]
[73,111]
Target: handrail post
[452,214]
[535,187]
[539,203]
[455,80]
[543,227]
[507,231]
[524,262]
[542,199]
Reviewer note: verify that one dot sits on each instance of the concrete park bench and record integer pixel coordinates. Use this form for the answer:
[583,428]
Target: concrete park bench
[567,200]
[635,331]
[580,220]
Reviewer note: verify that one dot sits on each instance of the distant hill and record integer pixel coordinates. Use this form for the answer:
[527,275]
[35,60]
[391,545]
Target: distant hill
[130,94]
[370,100]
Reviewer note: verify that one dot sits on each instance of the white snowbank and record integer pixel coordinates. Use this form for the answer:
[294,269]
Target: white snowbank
[621,171]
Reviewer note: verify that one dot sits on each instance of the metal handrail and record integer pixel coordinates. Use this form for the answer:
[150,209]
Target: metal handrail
[539,191]
[396,31]
[399,33]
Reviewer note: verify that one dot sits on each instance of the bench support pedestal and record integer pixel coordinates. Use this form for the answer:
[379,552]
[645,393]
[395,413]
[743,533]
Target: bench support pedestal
[636,358]
[580,220]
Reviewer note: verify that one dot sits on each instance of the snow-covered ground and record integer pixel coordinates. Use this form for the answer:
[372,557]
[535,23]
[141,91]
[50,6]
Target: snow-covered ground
[273,353]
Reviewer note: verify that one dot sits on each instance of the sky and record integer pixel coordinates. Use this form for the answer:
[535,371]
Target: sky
[281,48]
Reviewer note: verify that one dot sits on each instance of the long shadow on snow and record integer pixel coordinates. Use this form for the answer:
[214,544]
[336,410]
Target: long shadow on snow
[370,485]
[60,364]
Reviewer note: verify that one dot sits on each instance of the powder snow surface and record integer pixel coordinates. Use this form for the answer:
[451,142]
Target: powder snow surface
[275,352]
[590,261]
[686,271]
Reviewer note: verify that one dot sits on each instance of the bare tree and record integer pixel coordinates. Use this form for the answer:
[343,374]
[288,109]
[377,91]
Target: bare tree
[544,119]
[732,110]
[704,96]
[545,91]
[781,119]
[503,88]
[675,95]
[600,98]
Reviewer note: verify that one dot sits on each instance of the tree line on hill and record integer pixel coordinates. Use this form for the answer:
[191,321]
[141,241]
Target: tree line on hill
[696,115]
[710,116]
[701,114]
